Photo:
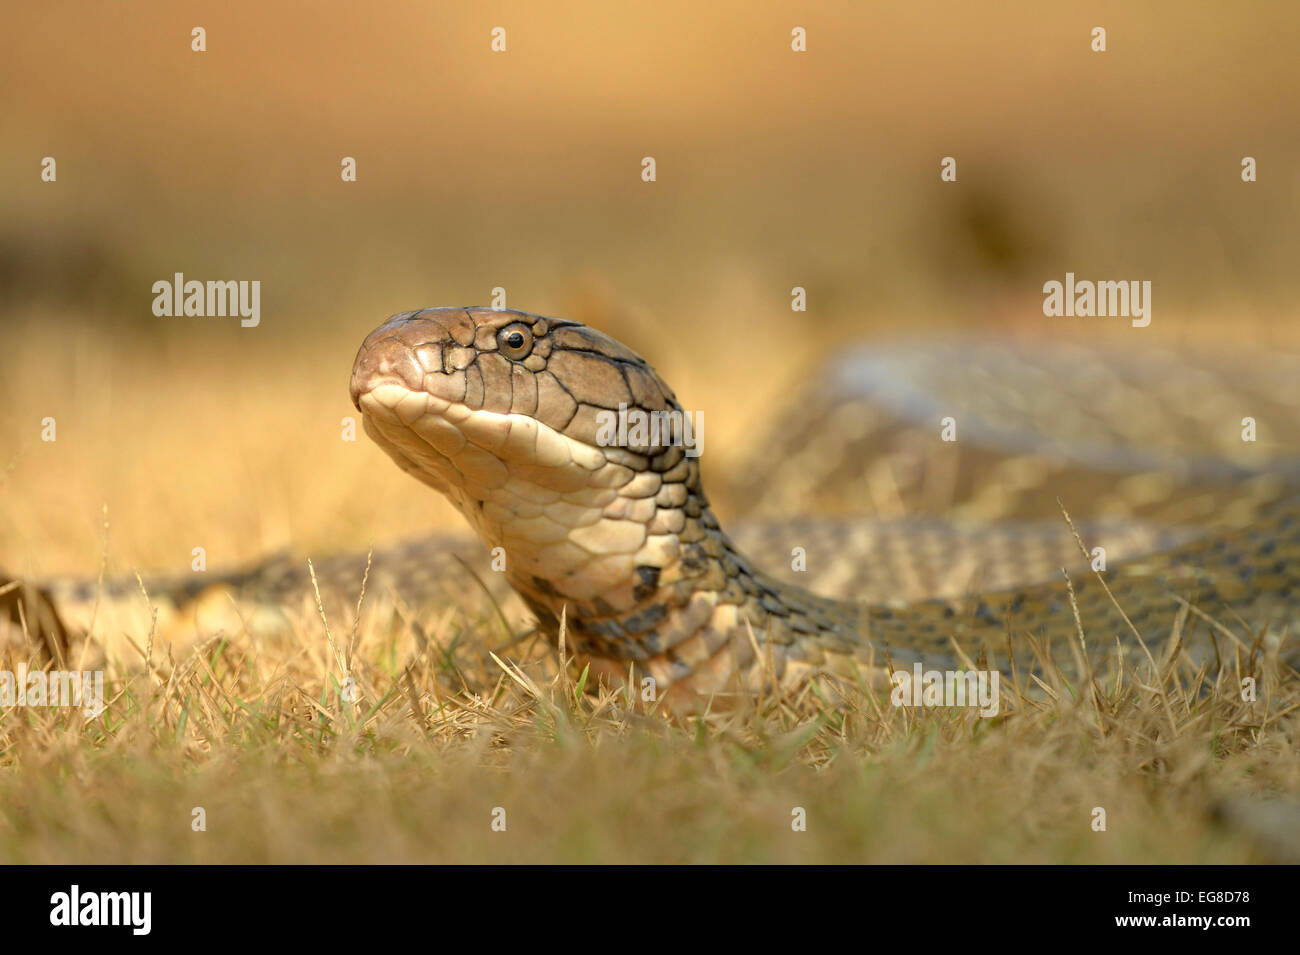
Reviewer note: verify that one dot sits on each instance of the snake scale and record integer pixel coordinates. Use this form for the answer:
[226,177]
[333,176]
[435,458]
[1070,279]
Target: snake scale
[501,410]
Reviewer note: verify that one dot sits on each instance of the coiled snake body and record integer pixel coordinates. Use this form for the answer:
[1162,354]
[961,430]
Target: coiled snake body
[501,412]
[962,560]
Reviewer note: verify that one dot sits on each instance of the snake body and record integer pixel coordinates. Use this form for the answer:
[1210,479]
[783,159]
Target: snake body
[501,412]
[961,560]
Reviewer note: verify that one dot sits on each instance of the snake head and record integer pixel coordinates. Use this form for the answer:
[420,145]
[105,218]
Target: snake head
[506,413]
[509,415]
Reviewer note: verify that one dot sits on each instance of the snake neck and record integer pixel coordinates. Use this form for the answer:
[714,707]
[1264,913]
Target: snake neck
[693,609]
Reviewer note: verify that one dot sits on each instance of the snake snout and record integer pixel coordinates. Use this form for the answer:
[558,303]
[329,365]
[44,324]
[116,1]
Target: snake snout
[389,354]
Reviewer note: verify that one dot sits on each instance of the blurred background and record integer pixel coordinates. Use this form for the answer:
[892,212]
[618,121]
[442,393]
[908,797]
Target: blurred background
[522,170]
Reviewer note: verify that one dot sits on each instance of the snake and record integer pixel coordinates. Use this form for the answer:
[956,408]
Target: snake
[969,555]
[609,533]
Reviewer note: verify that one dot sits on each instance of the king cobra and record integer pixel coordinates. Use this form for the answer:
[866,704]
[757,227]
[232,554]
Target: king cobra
[501,412]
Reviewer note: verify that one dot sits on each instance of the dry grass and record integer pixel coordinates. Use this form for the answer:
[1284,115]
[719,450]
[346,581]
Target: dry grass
[444,732]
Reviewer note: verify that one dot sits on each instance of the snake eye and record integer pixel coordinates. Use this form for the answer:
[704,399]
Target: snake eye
[515,341]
